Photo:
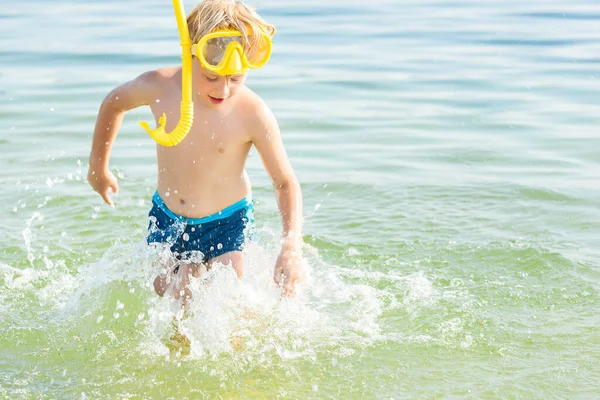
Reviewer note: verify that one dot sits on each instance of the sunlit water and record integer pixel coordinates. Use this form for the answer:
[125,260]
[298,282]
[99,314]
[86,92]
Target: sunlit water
[448,154]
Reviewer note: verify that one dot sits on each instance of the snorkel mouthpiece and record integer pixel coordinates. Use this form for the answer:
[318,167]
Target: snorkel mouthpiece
[174,137]
[187,105]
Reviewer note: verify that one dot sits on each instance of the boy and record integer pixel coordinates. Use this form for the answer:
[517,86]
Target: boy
[203,204]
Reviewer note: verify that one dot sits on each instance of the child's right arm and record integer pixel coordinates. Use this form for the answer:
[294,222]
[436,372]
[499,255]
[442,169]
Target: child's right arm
[135,93]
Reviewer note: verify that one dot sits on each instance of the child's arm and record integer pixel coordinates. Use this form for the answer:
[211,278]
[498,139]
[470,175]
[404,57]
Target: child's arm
[268,142]
[135,93]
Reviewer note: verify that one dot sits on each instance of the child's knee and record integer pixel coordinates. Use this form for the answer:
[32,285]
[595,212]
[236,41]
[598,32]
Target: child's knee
[197,270]
[160,285]
[191,270]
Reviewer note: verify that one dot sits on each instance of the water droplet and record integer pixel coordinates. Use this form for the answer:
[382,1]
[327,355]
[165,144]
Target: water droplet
[219,246]
[51,108]
[158,100]
[99,319]
[186,237]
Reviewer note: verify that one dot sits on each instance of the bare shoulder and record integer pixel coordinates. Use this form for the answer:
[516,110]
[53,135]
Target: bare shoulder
[258,115]
[141,90]
[166,73]
[159,78]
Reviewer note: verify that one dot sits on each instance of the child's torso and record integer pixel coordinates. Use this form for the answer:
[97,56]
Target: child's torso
[205,172]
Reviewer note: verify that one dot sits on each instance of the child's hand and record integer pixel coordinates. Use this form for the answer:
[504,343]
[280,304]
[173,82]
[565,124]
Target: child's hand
[288,270]
[103,182]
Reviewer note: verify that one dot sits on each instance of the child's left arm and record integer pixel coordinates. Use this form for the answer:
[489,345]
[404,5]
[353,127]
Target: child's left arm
[268,142]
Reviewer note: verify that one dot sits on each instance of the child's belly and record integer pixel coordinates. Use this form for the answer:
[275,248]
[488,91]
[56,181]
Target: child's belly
[201,188]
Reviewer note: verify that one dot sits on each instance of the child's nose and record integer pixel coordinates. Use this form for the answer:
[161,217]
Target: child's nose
[223,89]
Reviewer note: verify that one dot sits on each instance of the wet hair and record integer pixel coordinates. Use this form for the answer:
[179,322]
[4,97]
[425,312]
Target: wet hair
[212,15]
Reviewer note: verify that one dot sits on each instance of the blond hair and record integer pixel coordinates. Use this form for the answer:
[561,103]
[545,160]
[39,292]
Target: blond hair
[211,15]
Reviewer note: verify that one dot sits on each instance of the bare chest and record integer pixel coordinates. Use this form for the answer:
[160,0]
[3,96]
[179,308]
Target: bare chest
[214,132]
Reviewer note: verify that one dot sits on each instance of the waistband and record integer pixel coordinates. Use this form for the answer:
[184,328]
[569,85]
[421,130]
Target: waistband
[224,213]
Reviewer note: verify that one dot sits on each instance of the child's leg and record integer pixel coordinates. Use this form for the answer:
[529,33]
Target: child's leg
[164,280]
[175,282]
[180,287]
[236,258]
[164,230]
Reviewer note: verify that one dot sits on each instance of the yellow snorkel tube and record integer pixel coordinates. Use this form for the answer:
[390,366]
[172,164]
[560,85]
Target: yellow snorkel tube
[187,105]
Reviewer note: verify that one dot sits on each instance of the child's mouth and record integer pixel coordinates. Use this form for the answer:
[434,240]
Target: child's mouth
[216,100]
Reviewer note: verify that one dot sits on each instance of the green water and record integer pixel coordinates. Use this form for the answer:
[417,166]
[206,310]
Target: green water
[448,155]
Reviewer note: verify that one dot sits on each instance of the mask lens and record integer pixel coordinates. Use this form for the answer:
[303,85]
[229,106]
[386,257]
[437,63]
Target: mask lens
[259,50]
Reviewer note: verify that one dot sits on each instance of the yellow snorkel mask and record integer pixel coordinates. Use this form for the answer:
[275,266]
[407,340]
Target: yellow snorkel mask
[187,106]
[225,53]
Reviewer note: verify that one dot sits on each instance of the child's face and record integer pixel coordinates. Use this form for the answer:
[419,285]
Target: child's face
[218,88]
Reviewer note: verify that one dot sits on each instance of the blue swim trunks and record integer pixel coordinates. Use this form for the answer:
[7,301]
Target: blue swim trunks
[207,237]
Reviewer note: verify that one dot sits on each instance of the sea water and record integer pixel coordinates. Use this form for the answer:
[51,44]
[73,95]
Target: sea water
[448,156]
